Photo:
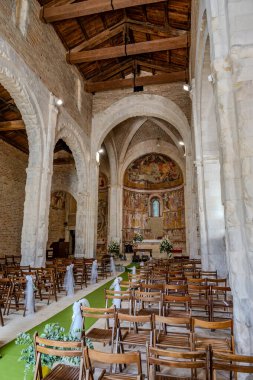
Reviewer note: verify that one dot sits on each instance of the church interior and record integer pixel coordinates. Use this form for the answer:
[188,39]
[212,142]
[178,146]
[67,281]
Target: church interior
[126,189]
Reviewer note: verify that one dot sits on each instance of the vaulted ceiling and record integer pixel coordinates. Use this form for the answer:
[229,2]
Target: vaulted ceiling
[123,43]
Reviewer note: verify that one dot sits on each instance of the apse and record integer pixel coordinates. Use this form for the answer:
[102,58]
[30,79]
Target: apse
[153,200]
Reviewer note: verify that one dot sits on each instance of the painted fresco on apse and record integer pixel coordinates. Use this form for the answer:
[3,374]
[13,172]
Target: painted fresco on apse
[153,172]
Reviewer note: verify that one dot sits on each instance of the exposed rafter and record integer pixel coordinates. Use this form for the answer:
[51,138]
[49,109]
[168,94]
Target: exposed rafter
[127,50]
[138,81]
[14,125]
[89,7]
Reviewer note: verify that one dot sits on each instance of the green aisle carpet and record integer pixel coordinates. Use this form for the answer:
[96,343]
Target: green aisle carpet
[12,369]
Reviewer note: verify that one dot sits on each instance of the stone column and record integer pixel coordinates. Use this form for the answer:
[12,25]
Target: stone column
[92,209]
[81,216]
[31,215]
[46,180]
[115,211]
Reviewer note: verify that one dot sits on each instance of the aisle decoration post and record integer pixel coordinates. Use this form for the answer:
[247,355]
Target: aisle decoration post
[29,295]
[69,282]
[77,319]
[94,272]
[112,266]
[116,287]
[114,248]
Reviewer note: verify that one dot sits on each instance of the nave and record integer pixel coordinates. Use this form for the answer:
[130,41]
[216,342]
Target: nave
[159,318]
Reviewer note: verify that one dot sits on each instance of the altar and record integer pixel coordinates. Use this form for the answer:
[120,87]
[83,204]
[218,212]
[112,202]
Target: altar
[153,245]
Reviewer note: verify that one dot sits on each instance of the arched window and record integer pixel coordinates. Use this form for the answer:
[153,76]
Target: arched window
[155,207]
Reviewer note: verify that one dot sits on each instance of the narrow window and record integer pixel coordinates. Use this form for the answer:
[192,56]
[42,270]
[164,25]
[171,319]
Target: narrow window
[155,207]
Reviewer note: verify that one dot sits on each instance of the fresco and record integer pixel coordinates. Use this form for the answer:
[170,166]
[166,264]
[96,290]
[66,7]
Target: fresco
[102,223]
[153,172]
[137,217]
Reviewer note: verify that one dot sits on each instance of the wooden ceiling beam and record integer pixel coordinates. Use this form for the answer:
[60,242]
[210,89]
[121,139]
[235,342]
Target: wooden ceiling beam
[138,81]
[100,38]
[89,7]
[14,125]
[128,50]
[158,65]
[112,71]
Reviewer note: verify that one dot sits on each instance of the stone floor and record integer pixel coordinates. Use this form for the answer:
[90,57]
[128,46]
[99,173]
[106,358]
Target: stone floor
[15,322]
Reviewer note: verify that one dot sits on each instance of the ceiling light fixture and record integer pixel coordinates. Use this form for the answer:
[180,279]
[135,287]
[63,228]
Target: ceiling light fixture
[187,87]
[59,102]
[158,143]
[181,143]
[101,150]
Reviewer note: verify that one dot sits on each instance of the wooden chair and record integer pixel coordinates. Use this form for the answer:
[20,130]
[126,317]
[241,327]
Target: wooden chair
[146,303]
[161,363]
[200,301]
[221,303]
[125,296]
[151,287]
[130,331]
[172,332]
[208,273]
[105,335]
[176,289]
[62,350]
[115,361]
[221,341]
[230,363]
[46,284]
[177,306]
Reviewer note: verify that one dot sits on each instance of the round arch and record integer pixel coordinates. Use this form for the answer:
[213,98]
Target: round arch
[74,139]
[139,105]
[28,106]
[150,146]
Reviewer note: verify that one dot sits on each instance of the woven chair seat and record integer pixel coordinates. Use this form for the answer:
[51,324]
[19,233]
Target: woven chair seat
[136,339]
[119,376]
[100,335]
[62,371]
[174,340]
[217,344]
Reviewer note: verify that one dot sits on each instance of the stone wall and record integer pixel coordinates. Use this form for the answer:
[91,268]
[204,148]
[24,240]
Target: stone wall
[41,49]
[172,91]
[13,164]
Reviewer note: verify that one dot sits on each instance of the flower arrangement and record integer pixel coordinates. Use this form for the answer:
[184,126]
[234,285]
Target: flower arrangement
[137,237]
[114,247]
[51,331]
[166,246]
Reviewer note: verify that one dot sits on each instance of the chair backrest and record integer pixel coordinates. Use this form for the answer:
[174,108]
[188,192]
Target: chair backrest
[211,273]
[221,325]
[122,295]
[151,287]
[158,359]
[172,300]
[231,363]
[55,348]
[216,281]
[131,358]
[134,320]
[175,289]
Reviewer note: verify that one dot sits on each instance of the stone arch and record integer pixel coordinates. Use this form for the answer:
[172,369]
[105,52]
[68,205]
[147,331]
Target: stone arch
[150,146]
[75,140]
[139,105]
[28,106]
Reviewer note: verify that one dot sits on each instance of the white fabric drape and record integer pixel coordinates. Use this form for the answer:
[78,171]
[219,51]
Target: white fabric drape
[77,320]
[112,266]
[69,282]
[116,287]
[133,269]
[94,272]
[29,295]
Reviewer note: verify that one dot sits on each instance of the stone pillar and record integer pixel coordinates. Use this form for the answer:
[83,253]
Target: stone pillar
[31,215]
[46,180]
[81,234]
[115,211]
[37,199]
[92,209]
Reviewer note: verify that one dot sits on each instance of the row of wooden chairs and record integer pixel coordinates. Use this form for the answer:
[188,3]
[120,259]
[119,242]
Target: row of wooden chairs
[209,302]
[160,363]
